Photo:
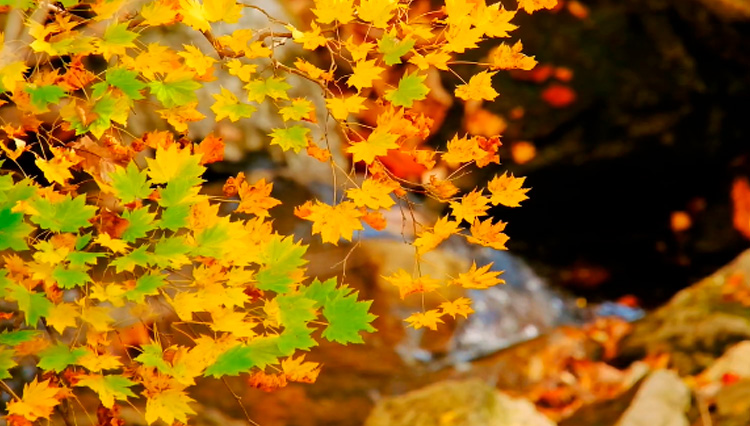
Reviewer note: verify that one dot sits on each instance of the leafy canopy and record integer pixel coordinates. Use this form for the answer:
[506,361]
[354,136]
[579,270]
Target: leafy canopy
[113,217]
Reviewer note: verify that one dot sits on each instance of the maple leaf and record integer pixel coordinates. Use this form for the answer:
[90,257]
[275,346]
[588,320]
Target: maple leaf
[41,96]
[373,194]
[328,11]
[228,106]
[6,363]
[222,10]
[172,163]
[178,88]
[273,87]
[196,60]
[506,57]
[411,88]
[310,40]
[481,278]
[109,388]
[428,240]
[460,306]
[179,116]
[256,198]
[437,58]
[378,12]
[376,145]
[393,49]
[472,205]
[62,316]
[340,108]
[159,12]
[335,222]
[531,6]
[168,405]
[408,285]
[258,352]
[300,109]
[238,42]
[130,183]
[429,319]
[294,138]
[242,71]
[346,317]
[488,235]
[57,357]
[478,88]
[364,73]
[37,401]
[66,215]
[507,190]
[299,370]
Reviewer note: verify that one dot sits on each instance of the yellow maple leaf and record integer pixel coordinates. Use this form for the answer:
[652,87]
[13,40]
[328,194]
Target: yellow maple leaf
[340,108]
[37,401]
[256,198]
[488,235]
[11,74]
[313,71]
[230,321]
[334,222]
[114,244]
[506,57]
[360,50]
[258,49]
[196,60]
[461,150]
[373,194]
[193,15]
[237,41]
[428,240]
[478,88]
[169,405]
[378,12]
[507,190]
[310,40]
[179,116]
[97,362]
[170,162]
[494,20]
[298,370]
[408,285]
[429,319]
[462,37]
[222,10]
[531,6]
[98,317]
[436,58]
[56,169]
[106,9]
[481,278]
[471,206]
[155,59]
[364,73]
[376,145]
[242,71]
[159,12]
[328,11]
[460,306]
[62,316]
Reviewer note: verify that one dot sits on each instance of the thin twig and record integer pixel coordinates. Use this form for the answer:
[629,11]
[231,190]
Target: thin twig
[239,402]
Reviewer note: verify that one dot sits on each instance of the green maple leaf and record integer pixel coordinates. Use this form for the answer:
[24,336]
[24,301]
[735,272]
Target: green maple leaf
[11,193]
[128,262]
[175,93]
[116,39]
[33,305]
[109,388]
[280,258]
[295,309]
[79,259]
[146,285]
[175,217]
[56,358]
[228,106]
[169,249]
[13,230]
[242,358]
[67,215]
[70,277]
[15,338]
[211,241]
[273,87]
[152,356]
[41,96]
[6,363]
[140,223]
[294,138]
[411,88]
[130,183]
[320,291]
[393,49]
[123,79]
[179,190]
[347,317]
[296,337]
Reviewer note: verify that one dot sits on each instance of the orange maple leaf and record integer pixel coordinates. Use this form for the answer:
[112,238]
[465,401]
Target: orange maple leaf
[408,285]
[488,235]
[507,190]
[212,148]
[256,199]
[429,319]
[479,278]
[471,206]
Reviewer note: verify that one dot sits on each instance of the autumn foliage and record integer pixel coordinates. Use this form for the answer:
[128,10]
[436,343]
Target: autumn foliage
[103,230]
